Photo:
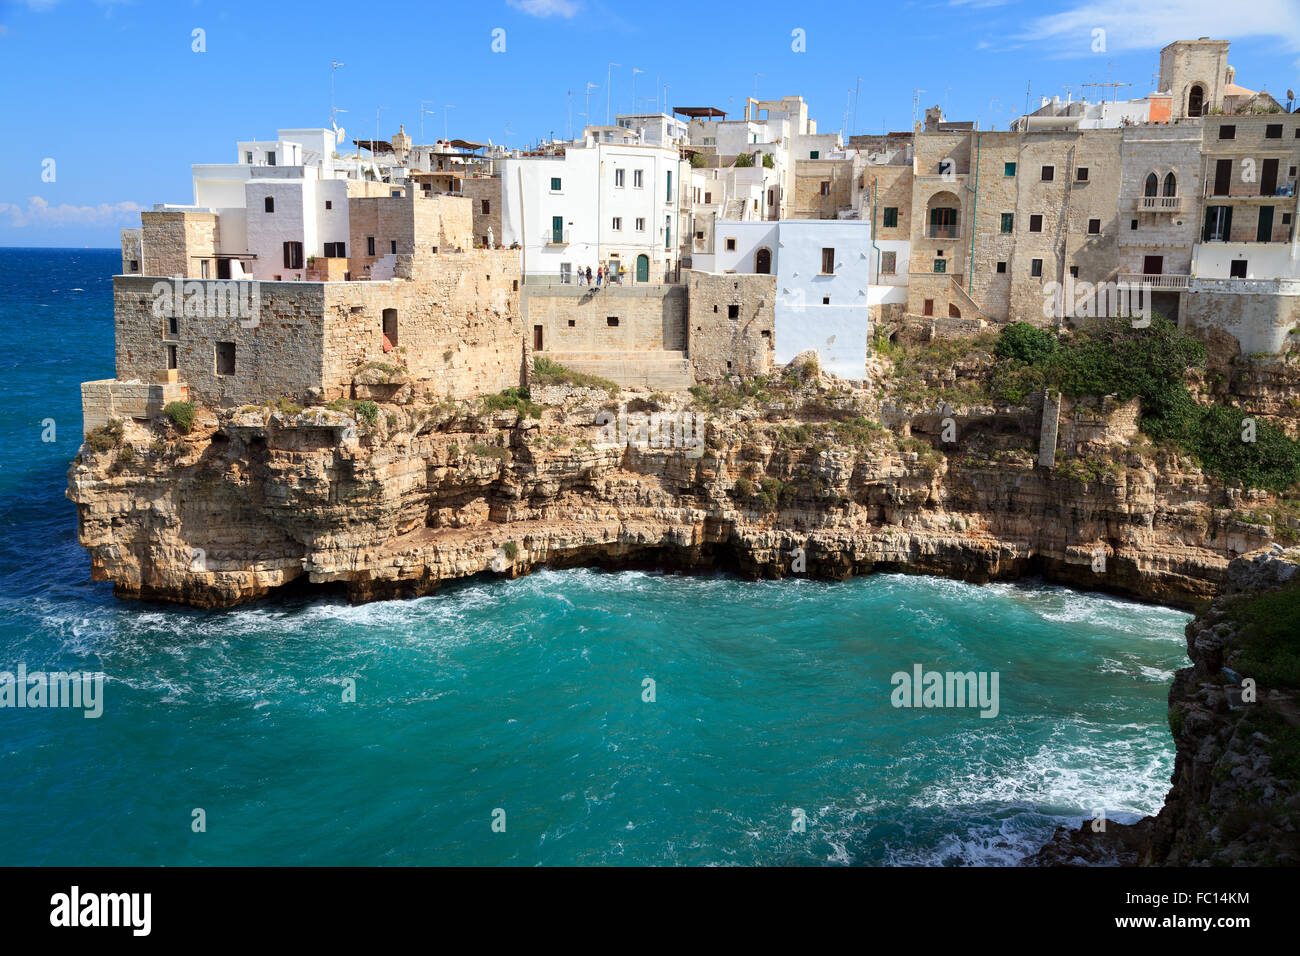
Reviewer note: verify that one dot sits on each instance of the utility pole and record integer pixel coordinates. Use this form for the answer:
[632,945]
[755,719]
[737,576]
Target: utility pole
[609,80]
[916,100]
[570,115]
[590,86]
[334,67]
[857,90]
[444,119]
[373,149]
[635,71]
[422,112]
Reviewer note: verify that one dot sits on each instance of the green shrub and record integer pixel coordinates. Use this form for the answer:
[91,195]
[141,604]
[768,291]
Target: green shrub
[489,451]
[1025,343]
[511,549]
[515,399]
[547,372]
[744,161]
[106,436]
[368,411]
[181,415]
[1268,637]
[744,487]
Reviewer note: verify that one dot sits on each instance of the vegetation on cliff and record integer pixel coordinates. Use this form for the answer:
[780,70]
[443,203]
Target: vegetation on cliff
[1152,363]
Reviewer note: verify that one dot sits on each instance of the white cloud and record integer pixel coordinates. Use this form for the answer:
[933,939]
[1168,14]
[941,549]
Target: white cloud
[1155,23]
[545,8]
[38,212]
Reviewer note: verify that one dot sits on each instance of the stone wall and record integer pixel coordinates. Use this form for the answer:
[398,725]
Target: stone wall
[1260,322]
[573,318]
[106,399]
[480,190]
[175,242]
[720,343]
[808,201]
[405,226]
[279,352]
[132,251]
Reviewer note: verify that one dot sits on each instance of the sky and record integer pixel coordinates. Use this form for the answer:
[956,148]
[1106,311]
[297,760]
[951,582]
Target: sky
[104,104]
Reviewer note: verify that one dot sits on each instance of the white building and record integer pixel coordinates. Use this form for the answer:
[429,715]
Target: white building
[654,129]
[593,204]
[826,281]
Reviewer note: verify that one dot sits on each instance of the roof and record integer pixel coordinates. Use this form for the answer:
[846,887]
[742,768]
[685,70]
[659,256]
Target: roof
[370,144]
[466,144]
[1232,89]
[695,112]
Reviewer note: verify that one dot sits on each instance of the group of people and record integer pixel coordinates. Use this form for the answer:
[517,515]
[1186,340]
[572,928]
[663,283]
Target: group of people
[602,275]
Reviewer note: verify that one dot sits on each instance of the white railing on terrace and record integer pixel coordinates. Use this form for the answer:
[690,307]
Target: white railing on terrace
[1160,203]
[1162,283]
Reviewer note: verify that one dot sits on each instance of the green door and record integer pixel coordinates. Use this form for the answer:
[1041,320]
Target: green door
[643,268]
[1264,232]
[557,229]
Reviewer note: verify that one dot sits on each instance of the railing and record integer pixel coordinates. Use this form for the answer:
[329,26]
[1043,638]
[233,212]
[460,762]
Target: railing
[1160,203]
[1156,281]
[553,238]
[945,232]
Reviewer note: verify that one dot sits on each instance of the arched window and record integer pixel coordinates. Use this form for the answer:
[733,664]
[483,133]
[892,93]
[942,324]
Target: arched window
[1196,101]
[944,209]
[1171,185]
[1152,185]
[953,311]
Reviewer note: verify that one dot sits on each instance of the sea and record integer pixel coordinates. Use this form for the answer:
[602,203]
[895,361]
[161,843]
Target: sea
[572,717]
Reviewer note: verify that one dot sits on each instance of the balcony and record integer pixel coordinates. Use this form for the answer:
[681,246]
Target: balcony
[944,232]
[556,237]
[1160,203]
[1156,282]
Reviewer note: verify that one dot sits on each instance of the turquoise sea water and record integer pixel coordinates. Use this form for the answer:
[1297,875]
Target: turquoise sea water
[527,696]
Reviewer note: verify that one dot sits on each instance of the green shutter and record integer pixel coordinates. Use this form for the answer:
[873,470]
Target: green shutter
[1008,169]
[1008,221]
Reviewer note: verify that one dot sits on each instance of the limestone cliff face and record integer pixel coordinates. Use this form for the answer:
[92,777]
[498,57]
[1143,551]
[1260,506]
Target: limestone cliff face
[1235,798]
[250,501]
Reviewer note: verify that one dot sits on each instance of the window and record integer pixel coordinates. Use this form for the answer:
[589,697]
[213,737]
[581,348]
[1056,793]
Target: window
[640,225]
[771,197]
[225,356]
[204,269]
[268,204]
[171,356]
[708,198]
[1008,169]
[1036,223]
[1171,184]
[1227,132]
[336,250]
[826,300]
[731,245]
[1273,131]
[826,187]
[135,265]
[891,217]
[1036,267]
[927,307]
[1133,224]
[814,154]
[370,245]
[572,323]
[395,193]
[485,206]
[611,321]
[555,184]
[617,224]
[828,262]
[1074,272]
[1002,268]
[1081,174]
[699,234]
[1237,269]
[392,246]
[329,204]
[888,262]
[173,325]
[388,324]
[1049,173]
[668,193]
[1008,221]
[1151,184]
[248,157]
[940,265]
[270,159]
[637,181]
[293,255]
[1094,227]
[618,177]
[733,311]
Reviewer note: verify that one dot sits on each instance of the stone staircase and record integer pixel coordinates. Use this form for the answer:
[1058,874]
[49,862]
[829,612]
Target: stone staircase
[661,371]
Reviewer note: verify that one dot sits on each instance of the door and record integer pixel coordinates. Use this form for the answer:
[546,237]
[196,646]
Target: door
[1218,224]
[537,338]
[223,268]
[1264,233]
[642,268]
[1268,178]
[557,229]
[1153,265]
[1222,176]
[763,261]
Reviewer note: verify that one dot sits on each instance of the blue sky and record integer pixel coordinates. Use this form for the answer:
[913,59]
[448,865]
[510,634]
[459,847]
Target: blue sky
[114,94]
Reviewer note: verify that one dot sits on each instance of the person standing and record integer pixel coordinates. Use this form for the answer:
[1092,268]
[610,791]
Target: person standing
[600,275]
[588,275]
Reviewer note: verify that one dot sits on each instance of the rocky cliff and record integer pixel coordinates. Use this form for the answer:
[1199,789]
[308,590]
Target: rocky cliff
[394,502]
[1235,798]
